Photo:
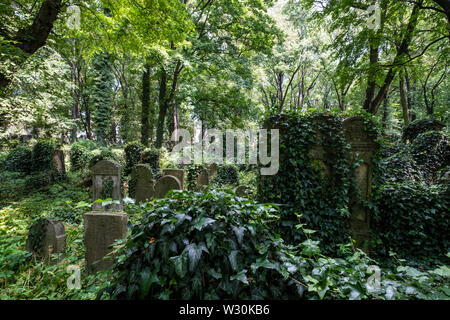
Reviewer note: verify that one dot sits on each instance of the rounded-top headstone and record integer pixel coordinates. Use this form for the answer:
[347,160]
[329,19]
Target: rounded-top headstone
[47,237]
[165,184]
[202,179]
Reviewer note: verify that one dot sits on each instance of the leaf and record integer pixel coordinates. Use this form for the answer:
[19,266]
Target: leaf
[239,232]
[194,254]
[241,276]
[201,222]
[180,263]
[262,264]
[233,259]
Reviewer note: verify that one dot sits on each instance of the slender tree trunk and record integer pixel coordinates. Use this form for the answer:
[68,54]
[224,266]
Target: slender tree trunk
[145,124]
[162,109]
[404,100]
[385,113]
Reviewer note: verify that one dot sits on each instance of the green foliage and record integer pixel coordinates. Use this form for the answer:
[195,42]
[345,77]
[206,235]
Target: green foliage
[151,157]
[42,155]
[191,178]
[413,129]
[102,96]
[202,246]
[316,189]
[133,155]
[19,159]
[36,235]
[79,153]
[226,174]
[412,219]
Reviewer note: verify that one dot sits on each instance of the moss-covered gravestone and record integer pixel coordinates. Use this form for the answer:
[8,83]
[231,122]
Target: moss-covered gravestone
[46,238]
[145,188]
[165,184]
[177,173]
[102,228]
[363,149]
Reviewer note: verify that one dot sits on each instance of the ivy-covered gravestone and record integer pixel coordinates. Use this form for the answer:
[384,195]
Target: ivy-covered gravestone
[177,173]
[106,183]
[144,189]
[46,237]
[363,149]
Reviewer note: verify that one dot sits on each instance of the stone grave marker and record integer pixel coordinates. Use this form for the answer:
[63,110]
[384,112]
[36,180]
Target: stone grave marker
[165,184]
[363,148]
[101,229]
[177,173]
[202,179]
[47,237]
[106,183]
[58,161]
[145,185]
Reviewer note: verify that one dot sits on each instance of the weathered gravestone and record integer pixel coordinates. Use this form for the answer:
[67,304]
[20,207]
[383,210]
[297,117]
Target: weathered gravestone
[212,169]
[106,183]
[102,228]
[165,184]
[58,161]
[47,237]
[202,179]
[145,185]
[363,148]
[177,173]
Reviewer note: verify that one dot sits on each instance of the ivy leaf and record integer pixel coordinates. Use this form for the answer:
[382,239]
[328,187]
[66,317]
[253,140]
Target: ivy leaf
[233,259]
[194,253]
[201,222]
[241,276]
[262,263]
[239,232]
[180,263]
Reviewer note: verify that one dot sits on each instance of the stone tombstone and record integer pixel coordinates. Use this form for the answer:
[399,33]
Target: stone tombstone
[165,184]
[363,148]
[106,175]
[101,229]
[177,173]
[202,179]
[53,242]
[145,185]
[212,169]
[58,161]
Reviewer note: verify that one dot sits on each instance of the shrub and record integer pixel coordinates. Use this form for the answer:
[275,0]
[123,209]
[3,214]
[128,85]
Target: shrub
[226,174]
[202,246]
[19,159]
[191,178]
[412,130]
[412,219]
[42,155]
[151,157]
[79,153]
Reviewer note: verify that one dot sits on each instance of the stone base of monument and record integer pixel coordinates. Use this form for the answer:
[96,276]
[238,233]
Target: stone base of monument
[101,229]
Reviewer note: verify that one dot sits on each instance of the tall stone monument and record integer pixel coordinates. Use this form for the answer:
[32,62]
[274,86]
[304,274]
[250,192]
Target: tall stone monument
[363,148]
[101,227]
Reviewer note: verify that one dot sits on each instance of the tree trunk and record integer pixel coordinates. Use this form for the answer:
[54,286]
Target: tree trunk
[404,99]
[162,109]
[385,113]
[145,124]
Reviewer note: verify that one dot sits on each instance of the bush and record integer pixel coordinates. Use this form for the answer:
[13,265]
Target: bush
[226,174]
[42,155]
[412,130]
[79,153]
[19,159]
[202,246]
[412,219]
[151,157]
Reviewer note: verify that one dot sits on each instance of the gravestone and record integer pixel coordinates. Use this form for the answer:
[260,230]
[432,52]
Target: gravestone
[101,229]
[145,188]
[106,183]
[47,237]
[177,173]
[363,148]
[212,170]
[165,184]
[202,179]
[58,161]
